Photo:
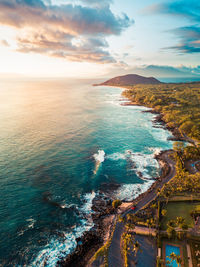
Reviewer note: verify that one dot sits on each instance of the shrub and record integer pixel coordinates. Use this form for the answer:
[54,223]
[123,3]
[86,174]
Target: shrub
[116,203]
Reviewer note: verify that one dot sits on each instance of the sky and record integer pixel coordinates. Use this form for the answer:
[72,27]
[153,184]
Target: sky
[100,38]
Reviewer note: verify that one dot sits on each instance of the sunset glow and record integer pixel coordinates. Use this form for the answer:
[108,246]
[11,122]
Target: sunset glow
[60,38]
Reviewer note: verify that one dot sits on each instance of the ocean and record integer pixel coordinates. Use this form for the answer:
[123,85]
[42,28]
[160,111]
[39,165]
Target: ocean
[61,142]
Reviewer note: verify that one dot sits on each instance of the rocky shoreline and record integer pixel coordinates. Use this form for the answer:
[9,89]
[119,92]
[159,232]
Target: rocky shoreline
[93,239]
[104,214]
[103,218]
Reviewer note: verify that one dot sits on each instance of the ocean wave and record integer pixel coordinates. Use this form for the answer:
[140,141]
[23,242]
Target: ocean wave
[99,158]
[156,151]
[68,206]
[58,249]
[116,156]
[129,192]
[144,165]
[88,198]
[160,133]
[31,222]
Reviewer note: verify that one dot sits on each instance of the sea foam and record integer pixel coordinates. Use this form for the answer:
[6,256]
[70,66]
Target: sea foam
[100,156]
[144,165]
[129,192]
[57,249]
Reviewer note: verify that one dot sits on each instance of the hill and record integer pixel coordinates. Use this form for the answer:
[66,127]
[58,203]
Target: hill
[130,79]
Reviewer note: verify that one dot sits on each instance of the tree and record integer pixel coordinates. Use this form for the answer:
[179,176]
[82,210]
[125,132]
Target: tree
[174,257]
[180,220]
[171,223]
[116,203]
[164,212]
[184,226]
[136,248]
[150,223]
[171,232]
[178,147]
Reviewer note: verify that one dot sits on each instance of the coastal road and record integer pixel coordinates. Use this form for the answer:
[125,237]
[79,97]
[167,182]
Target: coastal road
[114,254]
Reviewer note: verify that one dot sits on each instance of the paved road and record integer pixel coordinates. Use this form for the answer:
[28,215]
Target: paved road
[114,253]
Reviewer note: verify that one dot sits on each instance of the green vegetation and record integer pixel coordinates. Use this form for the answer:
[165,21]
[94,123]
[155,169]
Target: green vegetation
[174,257]
[179,104]
[183,182]
[195,250]
[116,203]
[129,246]
[148,216]
[179,212]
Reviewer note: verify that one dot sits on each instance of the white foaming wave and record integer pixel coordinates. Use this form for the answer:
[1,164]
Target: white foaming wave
[129,192]
[156,151]
[140,161]
[31,223]
[116,156]
[57,249]
[68,206]
[160,133]
[100,156]
[113,102]
[88,198]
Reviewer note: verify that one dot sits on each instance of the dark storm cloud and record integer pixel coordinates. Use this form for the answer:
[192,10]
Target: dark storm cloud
[63,29]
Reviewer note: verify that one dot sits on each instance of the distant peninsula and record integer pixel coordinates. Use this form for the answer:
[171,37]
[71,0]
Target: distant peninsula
[129,79]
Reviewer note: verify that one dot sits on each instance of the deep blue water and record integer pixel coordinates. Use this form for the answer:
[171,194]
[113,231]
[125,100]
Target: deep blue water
[60,141]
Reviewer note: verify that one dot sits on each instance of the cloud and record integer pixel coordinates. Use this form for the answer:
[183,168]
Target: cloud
[185,8]
[4,43]
[189,36]
[92,3]
[89,49]
[189,39]
[98,3]
[75,32]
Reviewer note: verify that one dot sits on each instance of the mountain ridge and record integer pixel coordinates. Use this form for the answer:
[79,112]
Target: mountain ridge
[129,79]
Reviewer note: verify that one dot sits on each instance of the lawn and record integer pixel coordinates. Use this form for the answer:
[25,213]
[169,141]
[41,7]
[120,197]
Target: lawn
[180,209]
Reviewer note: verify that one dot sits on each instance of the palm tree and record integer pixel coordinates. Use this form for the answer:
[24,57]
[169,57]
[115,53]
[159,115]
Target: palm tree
[180,220]
[178,260]
[136,248]
[174,257]
[171,232]
[150,223]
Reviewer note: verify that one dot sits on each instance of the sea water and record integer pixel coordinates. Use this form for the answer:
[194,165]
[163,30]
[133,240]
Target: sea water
[61,142]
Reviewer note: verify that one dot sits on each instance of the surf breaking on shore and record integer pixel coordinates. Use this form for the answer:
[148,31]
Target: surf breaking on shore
[143,164]
[57,249]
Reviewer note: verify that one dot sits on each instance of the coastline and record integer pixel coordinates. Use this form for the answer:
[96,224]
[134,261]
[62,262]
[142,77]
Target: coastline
[104,220]
[176,135]
[104,216]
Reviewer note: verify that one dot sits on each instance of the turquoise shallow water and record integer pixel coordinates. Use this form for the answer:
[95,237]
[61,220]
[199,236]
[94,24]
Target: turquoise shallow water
[169,249]
[60,142]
